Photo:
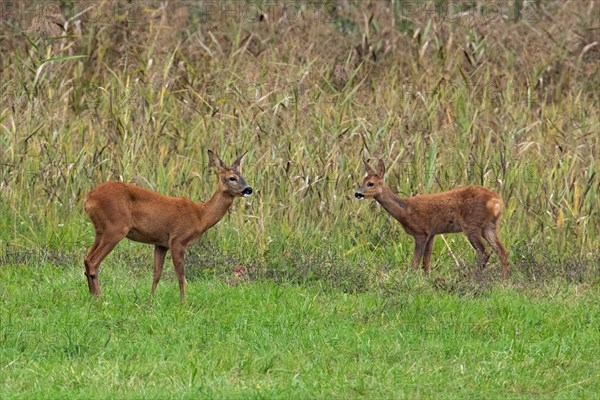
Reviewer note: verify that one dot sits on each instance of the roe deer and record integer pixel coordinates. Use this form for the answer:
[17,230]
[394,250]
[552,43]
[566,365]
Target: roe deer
[120,210]
[473,210]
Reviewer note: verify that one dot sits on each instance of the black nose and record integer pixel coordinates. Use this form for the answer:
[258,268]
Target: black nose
[359,195]
[247,191]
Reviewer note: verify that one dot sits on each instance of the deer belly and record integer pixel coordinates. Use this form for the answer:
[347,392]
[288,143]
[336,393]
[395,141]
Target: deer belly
[451,227]
[146,237]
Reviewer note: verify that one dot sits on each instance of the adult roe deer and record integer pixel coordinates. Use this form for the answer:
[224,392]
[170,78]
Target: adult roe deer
[120,210]
[473,210]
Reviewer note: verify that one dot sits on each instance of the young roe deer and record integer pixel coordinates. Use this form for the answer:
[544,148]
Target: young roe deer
[120,210]
[473,210]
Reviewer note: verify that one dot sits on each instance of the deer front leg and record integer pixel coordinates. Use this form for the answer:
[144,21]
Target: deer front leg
[427,255]
[420,244]
[159,261]
[178,254]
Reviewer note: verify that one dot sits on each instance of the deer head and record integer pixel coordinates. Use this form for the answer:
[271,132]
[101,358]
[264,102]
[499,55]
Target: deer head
[372,185]
[231,180]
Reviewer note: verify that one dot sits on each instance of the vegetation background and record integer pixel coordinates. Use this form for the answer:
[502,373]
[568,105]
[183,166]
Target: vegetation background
[499,93]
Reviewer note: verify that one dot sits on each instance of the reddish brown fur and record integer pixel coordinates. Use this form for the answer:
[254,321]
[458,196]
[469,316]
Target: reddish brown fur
[120,210]
[473,210]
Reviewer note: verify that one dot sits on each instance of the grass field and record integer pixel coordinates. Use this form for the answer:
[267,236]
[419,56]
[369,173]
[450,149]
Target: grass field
[502,94]
[262,339]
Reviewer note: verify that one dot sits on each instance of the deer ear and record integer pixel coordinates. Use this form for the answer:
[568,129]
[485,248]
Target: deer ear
[368,167]
[380,168]
[215,161]
[236,164]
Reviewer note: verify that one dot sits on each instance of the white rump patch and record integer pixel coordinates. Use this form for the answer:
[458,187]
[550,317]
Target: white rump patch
[495,207]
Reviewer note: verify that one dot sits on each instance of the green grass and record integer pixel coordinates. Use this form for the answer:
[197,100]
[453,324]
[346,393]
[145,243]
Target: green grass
[267,340]
[504,95]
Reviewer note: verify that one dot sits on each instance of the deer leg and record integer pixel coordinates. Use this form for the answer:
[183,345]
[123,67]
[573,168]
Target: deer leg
[178,254]
[491,235]
[427,255]
[107,242]
[86,263]
[97,239]
[420,244]
[159,261]
[477,242]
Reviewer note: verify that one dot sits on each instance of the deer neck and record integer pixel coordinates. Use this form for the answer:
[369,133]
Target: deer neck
[393,204]
[214,209]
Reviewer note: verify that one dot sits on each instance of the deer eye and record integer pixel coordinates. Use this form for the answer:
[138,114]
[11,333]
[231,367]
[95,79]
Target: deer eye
[370,184]
[232,179]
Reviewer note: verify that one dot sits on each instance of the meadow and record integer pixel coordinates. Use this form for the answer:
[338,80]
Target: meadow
[501,94]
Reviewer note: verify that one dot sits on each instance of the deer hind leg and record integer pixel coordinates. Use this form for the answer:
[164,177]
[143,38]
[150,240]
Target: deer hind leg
[476,241]
[159,261]
[178,254]
[95,245]
[106,242]
[420,245]
[88,271]
[491,235]
[427,255]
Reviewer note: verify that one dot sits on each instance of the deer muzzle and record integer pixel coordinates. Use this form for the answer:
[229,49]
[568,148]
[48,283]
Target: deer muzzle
[359,196]
[247,192]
